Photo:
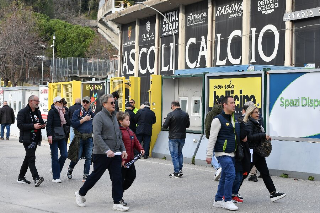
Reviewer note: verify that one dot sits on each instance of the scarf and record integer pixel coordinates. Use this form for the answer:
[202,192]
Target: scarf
[61,114]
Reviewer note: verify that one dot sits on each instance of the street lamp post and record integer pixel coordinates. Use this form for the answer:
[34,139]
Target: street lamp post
[170,25]
[54,37]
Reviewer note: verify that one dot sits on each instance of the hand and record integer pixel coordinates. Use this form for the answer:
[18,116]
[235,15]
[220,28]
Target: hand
[110,154]
[50,140]
[37,126]
[268,137]
[122,164]
[142,152]
[64,110]
[208,160]
[124,155]
[43,125]
[245,139]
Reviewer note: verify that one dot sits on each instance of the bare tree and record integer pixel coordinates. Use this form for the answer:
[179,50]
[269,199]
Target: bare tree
[18,43]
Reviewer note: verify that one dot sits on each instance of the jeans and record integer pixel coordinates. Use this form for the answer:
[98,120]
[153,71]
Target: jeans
[101,162]
[86,147]
[57,163]
[71,134]
[29,161]
[7,126]
[226,179]
[214,162]
[146,142]
[237,183]
[175,147]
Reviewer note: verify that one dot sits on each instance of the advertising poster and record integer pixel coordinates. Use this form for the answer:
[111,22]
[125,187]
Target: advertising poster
[228,29]
[43,98]
[267,32]
[166,37]
[294,105]
[196,35]
[241,88]
[94,90]
[128,49]
[146,55]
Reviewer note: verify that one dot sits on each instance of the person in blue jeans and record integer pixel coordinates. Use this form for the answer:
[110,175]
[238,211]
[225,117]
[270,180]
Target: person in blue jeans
[82,123]
[177,121]
[7,118]
[57,117]
[222,141]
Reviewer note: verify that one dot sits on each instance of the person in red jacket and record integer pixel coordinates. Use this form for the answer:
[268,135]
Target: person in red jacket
[130,142]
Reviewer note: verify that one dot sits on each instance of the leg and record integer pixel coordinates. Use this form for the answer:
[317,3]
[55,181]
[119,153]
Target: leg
[227,178]
[180,155]
[173,148]
[2,130]
[116,176]
[236,183]
[29,161]
[88,145]
[73,164]
[8,131]
[128,176]
[54,160]
[261,164]
[100,164]
[62,145]
[146,144]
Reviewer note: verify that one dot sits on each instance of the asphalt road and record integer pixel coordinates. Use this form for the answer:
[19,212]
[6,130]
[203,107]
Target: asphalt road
[152,192]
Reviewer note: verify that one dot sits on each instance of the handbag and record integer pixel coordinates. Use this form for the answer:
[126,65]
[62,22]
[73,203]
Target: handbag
[264,148]
[58,133]
[239,152]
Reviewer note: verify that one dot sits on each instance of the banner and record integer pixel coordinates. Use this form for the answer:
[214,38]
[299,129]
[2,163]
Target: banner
[294,105]
[128,48]
[242,89]
[94,90]
[43,98]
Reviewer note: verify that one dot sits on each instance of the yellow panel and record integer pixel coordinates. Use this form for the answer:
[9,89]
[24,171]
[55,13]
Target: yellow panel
[76,91]
[118,84]
[155,95]
[134,90]
[68,90]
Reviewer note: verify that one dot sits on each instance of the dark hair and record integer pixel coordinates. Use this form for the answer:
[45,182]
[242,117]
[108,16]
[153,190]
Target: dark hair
[225,100]
[175,103]
[115,94]
[63,101]
[122,115]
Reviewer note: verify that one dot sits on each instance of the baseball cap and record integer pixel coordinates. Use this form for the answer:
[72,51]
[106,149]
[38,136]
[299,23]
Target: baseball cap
[87,98]
[57,99]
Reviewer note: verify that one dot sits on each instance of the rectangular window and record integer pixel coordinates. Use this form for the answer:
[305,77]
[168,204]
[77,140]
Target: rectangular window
[184,104]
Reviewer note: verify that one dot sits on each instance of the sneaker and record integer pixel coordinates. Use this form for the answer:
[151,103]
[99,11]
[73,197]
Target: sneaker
[217,174]
[38,181]
[84,178]
[80,200]
[276,196]
[237,195]
[175,175]
[180,172]
[230,206]
[56,180]
[123,203]
[218,204]
[23,180]
[69,173]
[7,139]
[120,207]
[2,138]
[236,199]
[253,178]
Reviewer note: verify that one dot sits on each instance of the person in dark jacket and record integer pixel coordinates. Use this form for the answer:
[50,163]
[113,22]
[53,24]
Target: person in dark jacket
[82,124]
[76,106]
[177,121]
[145,118]
[7,118]
[57,118]
[115,95]
[130,142]
[129,110]
[256,133]
[30,123]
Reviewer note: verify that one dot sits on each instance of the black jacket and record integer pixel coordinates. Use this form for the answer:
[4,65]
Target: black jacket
[133,123]
[177,121]
[7,115]
[254,132]
[145,118]
[26,125]
[73,108]
[53,120]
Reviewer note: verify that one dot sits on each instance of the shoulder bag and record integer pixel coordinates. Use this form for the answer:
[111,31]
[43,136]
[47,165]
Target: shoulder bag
[58,133]
[264,148]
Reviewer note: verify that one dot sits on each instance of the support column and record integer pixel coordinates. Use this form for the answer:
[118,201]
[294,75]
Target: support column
[120,56]
[210,32]
[288,57]
[136,56]
[182,39]
[156,45]
[246,32]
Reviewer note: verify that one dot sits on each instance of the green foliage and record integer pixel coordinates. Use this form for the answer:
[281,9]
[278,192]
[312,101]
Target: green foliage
[284,175]
[193,161]
[311,178]
[164,158]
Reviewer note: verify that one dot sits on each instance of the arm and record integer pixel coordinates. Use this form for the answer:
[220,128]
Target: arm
[188,121]
[167,121]
[97,136]
[12,114]
[154,118]
[137,116]
[254,137]
[50,123]
[137,144]
[21,122]
[214,131]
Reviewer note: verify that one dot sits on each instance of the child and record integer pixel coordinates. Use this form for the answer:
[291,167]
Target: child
[130,142]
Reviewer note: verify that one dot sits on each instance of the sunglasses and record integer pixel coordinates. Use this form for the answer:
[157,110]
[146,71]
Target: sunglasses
[85,102]
[112,103]
[131,102]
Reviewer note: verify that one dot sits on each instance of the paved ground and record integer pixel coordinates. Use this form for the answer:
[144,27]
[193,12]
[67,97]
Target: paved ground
[152,192]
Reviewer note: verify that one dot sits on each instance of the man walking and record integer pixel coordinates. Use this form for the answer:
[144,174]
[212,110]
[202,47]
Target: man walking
[129,110]
[77,105]
[30,123]
[82,145]
[145,118]
[177,121]
[107,152]
[133,103]
[7,118]
[222,141]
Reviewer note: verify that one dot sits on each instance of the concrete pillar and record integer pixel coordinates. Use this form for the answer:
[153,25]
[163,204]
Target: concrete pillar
[246,32]
[156,45]
[288,57]
[136,58]
[182,39]
[210,33]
